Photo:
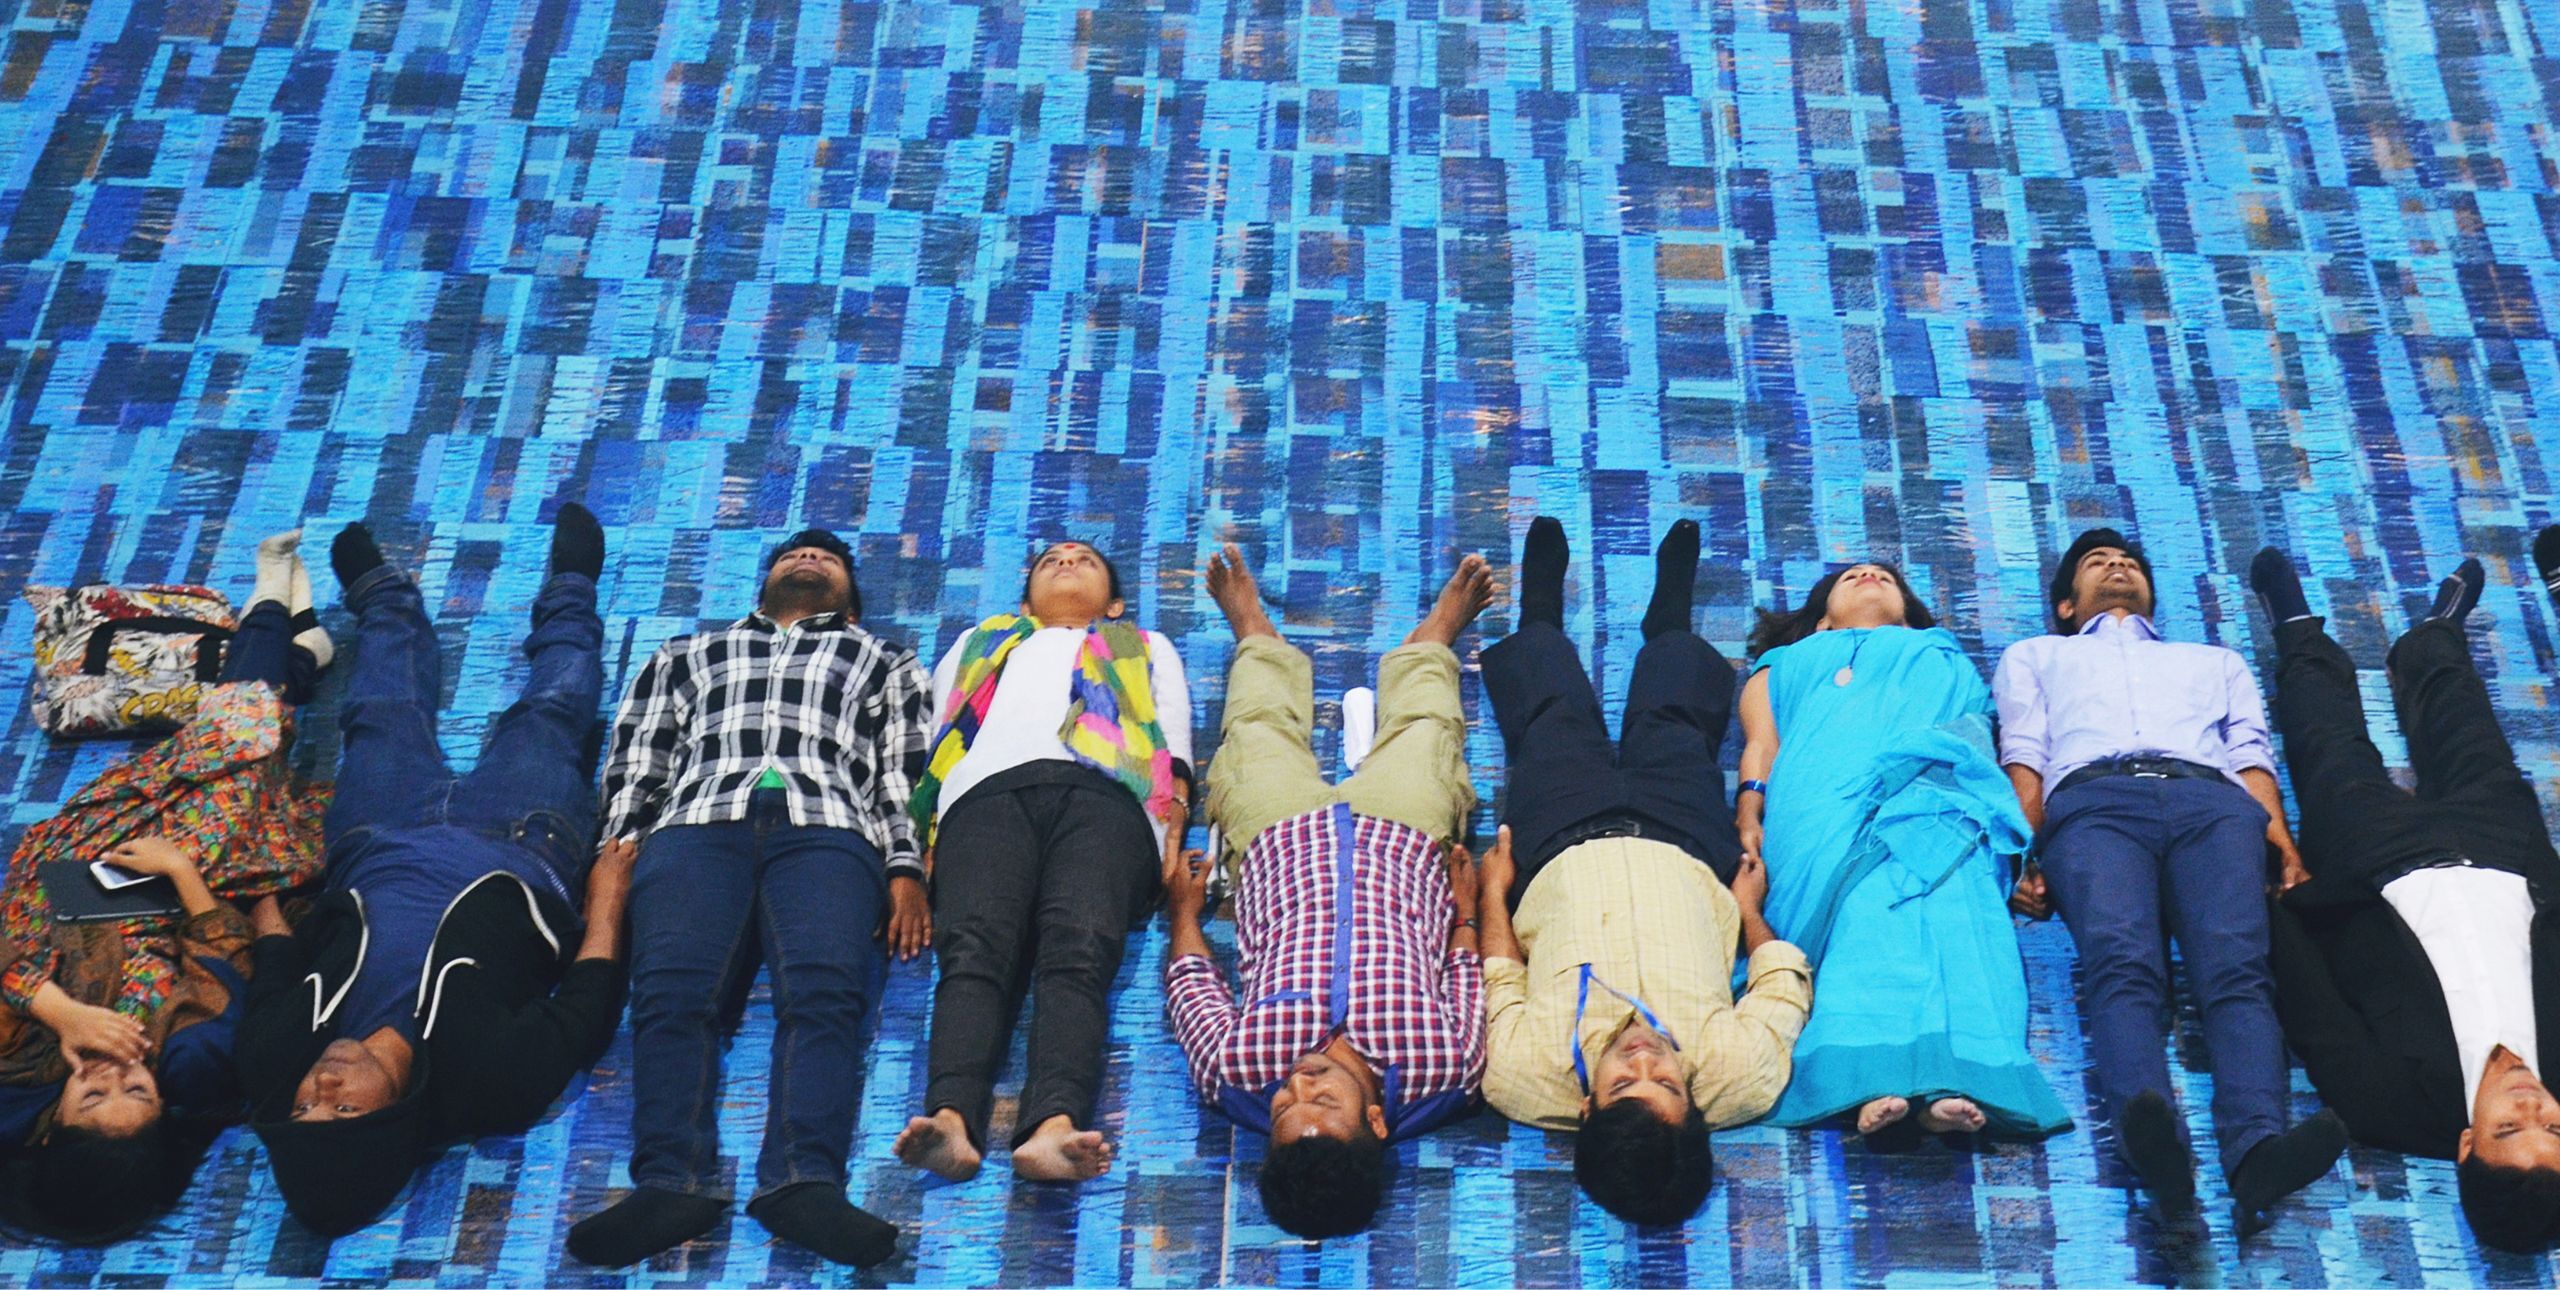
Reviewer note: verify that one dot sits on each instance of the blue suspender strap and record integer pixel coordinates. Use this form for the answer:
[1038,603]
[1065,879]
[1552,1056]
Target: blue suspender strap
[1582,1000]
[1338,991]
[1573,1034]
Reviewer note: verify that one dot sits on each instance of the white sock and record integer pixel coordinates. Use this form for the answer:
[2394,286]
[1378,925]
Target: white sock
[277,559]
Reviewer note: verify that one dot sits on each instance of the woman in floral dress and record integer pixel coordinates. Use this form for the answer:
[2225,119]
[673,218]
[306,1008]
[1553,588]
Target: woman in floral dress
[115,1061]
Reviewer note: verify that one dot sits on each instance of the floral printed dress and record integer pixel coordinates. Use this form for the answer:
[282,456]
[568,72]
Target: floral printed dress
[220,789]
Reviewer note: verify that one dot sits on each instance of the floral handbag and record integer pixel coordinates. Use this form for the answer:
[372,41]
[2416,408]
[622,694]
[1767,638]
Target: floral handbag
[125,660]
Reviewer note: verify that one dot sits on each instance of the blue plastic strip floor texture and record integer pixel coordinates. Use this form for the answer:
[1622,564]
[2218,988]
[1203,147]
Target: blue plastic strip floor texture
[1363,284]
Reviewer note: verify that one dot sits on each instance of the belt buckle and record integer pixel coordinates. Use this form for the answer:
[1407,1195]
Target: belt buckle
[2150,774]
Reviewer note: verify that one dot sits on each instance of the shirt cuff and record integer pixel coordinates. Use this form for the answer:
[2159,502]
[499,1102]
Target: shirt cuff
[910,865]
[1777,956]
[2251,760]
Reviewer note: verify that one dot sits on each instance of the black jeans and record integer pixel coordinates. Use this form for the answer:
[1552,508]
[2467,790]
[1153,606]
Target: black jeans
[2359,829]
[1664,769]
[1038,875]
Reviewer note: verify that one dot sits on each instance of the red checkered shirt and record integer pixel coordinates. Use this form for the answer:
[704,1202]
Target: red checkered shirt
[1409,1002]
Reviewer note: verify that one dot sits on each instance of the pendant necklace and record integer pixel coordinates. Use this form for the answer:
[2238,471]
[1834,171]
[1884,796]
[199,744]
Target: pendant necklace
[1849,670]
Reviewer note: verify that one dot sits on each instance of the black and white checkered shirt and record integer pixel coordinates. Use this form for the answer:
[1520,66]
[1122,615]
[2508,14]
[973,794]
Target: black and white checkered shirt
[845,717]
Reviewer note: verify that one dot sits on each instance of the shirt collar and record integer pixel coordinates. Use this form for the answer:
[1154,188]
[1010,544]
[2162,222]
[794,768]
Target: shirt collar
[832,620]
[2135,623]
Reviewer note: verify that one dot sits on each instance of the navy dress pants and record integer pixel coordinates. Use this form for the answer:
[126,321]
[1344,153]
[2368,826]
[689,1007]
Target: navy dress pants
[2132,862]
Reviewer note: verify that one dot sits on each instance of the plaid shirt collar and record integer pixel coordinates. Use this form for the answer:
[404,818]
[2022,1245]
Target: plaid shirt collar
[831,621]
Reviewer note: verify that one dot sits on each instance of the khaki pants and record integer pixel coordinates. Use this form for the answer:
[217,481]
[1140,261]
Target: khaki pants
[1266,772]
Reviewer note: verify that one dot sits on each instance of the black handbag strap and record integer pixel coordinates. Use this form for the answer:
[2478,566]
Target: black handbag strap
[209,642]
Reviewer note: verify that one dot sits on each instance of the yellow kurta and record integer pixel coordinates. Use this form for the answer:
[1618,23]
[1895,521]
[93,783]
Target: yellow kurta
[1652,921]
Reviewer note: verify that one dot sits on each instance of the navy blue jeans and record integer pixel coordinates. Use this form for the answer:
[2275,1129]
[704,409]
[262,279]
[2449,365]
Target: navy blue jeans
[534,787]
[704,900]
[263,650]
[2127,859]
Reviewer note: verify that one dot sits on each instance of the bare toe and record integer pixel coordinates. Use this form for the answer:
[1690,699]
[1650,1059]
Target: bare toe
[1088,1153]
[939,1145]
[1881,1112]
[1068,1156]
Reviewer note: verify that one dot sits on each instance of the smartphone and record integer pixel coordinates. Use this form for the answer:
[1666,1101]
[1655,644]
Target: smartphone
[113,878]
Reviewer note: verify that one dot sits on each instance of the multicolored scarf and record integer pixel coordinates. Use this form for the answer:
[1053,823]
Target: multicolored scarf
[1111,717]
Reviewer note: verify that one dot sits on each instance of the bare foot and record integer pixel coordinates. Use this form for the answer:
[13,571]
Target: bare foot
[1953,1115]
[1232,586]
[1880,1113]
[1463,597]
[1060,1152]
[940,1142]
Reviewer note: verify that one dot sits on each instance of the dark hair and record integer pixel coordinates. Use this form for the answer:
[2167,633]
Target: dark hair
[83,1187]
[2066,574]
[1109,569]
[832,545]
[2515,1210]
[1315,1187]
[1644,1171]
[1785,627]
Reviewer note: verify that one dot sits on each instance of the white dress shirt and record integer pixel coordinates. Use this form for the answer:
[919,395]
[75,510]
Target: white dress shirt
[2476,926]
[2115,689]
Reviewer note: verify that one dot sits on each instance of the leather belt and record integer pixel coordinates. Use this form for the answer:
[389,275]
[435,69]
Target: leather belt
[2138,768]
[1611,825]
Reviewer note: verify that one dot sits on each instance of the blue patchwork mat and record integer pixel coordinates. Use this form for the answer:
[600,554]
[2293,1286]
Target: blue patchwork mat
[1365,283]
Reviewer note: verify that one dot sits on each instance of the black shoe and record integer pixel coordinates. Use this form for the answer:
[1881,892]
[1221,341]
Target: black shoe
[647,1221]
[2459,593]
[577,541]
[1675,577]
[1542,564]
[2279,588]
[2147,1133]
[2546,559]
[816,1215]
[2283,1165]
[352,555]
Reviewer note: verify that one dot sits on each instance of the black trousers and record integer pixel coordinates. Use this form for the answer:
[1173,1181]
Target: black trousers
[2359,829]
[1664,769]
[1039,873]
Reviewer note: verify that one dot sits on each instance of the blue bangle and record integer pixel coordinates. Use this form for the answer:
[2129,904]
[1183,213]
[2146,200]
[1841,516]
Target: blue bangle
[1760,786]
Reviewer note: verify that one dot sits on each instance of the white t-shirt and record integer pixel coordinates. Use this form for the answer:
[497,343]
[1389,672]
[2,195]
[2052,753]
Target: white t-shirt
[1031,702]
[2476,926]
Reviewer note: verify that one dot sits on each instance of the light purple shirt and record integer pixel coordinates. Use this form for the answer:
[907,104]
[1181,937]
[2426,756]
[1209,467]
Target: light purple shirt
[2117,690]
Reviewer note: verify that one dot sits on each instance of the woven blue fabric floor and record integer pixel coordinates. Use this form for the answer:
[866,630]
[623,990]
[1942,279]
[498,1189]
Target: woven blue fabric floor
[1366,283]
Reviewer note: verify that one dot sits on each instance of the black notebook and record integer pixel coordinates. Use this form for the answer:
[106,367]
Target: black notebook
[78,897]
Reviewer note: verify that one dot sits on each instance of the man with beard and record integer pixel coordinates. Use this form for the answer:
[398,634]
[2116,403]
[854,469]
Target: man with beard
[415,1004]
[764,770]
[2145,767]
